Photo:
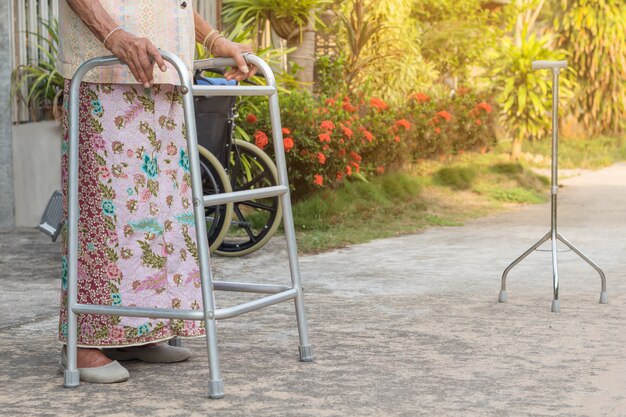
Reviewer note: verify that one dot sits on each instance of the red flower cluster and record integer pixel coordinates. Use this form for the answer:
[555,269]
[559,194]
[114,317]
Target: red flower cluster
[324,137]
[378,103]
[260,139]
[327,125]
[347,106]
[484,106]
[321,158]
[420,97]
[288,143]
[445,115]
[318,180]
[286,131]
[403,123]
[251,118]
[463,90]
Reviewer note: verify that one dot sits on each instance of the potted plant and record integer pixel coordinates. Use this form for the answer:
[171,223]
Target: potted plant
[291,20]
[41,81]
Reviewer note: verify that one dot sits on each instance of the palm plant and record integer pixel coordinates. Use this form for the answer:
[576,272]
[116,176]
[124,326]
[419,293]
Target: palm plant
[594,32]
[525,97]
[292,20]
[39,84]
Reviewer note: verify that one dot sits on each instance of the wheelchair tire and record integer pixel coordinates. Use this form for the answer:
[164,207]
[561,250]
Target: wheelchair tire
[255,221]
[215,181]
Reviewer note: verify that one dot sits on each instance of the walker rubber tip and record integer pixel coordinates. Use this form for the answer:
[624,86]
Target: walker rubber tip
[556,306]
[504,297]
[72,378]
[306,353]
[176,341]
[604,298]
[216,389]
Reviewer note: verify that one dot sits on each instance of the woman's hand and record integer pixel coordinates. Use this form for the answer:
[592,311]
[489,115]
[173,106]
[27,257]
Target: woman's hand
[138,53]
[229,49]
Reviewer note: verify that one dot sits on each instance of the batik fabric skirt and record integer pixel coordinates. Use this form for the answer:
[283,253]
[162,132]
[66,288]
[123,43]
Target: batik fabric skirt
[137,243]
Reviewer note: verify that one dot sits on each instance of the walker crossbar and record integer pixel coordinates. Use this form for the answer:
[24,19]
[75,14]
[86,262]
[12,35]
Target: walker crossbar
[168,313]
[236,196]
[278,293]
[553,235]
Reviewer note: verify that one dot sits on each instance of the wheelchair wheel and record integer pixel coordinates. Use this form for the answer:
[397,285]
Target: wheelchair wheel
[215,181]
[255,221]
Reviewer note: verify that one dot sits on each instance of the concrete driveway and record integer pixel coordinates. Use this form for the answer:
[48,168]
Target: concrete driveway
[408,326]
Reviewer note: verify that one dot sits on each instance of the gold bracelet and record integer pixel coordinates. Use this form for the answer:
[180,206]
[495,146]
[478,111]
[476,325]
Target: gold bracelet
[206,38]
[213,43]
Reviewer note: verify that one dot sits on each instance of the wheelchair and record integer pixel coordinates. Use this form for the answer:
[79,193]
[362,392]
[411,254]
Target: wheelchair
[228,164]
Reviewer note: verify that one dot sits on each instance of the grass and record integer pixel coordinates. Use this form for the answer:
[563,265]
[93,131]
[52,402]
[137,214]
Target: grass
[435,194]
[576,153]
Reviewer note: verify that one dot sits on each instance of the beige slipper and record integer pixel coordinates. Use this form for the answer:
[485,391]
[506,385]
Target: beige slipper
[106,374]
[157,354]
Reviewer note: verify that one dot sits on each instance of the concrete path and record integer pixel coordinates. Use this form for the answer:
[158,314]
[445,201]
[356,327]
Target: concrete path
[408,326]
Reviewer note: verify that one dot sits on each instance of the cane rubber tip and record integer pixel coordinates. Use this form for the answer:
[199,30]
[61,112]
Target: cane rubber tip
[556,306]
[504,297]
[604,298]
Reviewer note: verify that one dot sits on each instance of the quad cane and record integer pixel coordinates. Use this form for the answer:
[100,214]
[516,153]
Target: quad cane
[553,235]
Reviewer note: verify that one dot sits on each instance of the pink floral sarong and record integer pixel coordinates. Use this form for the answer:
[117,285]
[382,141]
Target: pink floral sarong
[137,243]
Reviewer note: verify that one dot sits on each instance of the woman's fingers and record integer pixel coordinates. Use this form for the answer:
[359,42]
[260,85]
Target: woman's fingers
[156,55]
[240,61]
[146,65]
[133,69]
[137,62]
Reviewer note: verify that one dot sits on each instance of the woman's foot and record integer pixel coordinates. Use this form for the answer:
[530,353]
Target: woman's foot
[93,366]
[156,353]
[91,358]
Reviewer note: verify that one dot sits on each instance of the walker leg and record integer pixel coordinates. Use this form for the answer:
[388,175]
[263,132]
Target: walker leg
[556,303]
[71,374]
[504,297]
[603,295]
[216,385]
[305,348]
[175,341]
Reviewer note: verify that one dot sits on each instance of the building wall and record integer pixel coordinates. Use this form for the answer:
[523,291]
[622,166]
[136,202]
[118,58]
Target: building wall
[7,219]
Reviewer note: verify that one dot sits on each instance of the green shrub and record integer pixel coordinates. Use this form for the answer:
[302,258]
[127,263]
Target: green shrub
[509,169]
[458,178]
[331,139]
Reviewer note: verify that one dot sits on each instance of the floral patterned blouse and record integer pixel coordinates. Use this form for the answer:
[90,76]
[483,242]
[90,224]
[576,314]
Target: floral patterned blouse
[167,23]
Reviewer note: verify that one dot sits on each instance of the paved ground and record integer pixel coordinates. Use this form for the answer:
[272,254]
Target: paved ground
[401,327]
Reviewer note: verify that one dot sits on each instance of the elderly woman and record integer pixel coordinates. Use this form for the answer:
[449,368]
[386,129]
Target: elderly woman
[137,238]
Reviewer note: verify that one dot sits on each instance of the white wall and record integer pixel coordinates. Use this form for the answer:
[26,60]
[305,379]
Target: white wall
[36,169]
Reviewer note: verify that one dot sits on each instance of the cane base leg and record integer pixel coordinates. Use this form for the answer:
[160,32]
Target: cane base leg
[503,297]
[604,298]
[556,306]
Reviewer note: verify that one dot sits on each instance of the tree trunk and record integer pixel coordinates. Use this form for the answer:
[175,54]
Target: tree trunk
[516,150]
[304,55]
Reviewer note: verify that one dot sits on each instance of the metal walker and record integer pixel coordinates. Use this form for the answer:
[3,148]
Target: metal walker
[553,235]
[274,293]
